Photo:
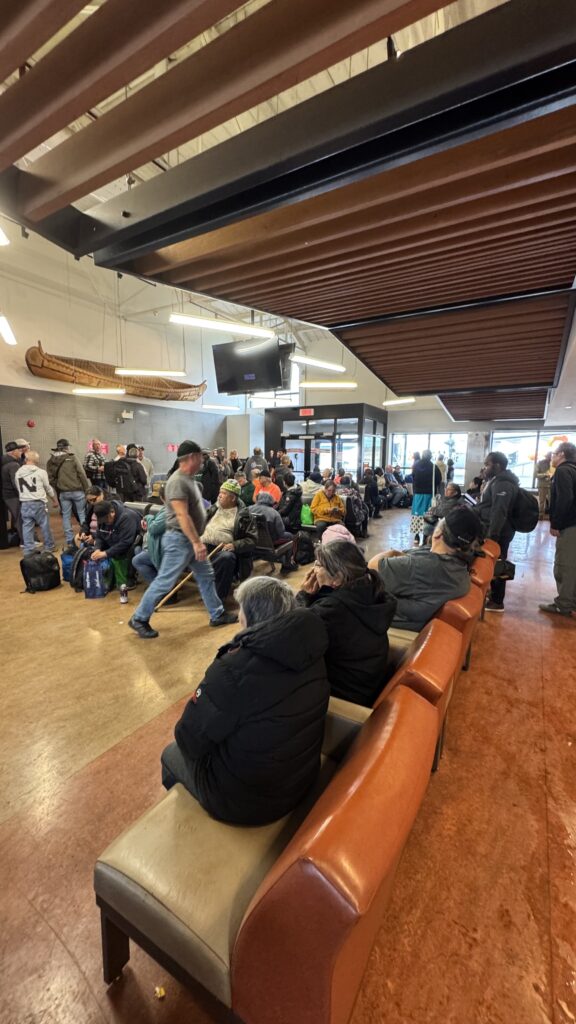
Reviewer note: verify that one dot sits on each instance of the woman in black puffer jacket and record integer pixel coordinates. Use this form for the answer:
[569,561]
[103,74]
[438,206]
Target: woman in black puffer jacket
[356,610]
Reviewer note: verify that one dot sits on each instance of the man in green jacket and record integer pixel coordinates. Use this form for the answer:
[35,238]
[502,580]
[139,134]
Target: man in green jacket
[67,477]
[246,488]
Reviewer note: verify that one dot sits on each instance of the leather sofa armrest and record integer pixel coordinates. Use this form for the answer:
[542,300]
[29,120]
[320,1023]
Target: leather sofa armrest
[343,723]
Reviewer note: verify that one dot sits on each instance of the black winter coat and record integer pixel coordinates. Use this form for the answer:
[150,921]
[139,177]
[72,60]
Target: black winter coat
[118,539]
[422,477]
[209,477]
[252,733]
[357,619]
[496,503]
[290,507]
[563,497]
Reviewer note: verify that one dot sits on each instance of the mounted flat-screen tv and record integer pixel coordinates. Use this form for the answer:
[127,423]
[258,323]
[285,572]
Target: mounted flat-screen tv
[246,366]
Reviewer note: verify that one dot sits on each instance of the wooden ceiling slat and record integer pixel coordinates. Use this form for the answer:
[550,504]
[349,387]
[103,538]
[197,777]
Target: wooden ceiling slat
[389,206]
[500,150]
[364,252]
[25,25]
[561,251]
[493,405]
[485,350]
[107,51]
[507,281]
[545,238]
[385,304]
[277,47]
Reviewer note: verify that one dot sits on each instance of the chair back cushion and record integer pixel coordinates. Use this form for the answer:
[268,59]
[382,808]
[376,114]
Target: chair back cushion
[304,942]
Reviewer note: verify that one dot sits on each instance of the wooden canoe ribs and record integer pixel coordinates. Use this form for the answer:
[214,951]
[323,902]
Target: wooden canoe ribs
[88,374]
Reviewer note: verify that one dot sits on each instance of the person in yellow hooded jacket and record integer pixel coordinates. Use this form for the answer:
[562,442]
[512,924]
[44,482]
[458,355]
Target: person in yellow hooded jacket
[327,507]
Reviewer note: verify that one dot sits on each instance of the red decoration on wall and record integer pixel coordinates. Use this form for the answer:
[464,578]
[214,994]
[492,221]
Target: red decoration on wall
[172,447]
[30,423]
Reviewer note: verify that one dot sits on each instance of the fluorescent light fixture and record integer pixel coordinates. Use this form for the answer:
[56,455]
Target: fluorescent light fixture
[399,401]
[98,391]
[7,332]
[305,361]
[122,371]
[516,419]
[4,240]
[225,408]
[226,326]
[246,350]
[327,385]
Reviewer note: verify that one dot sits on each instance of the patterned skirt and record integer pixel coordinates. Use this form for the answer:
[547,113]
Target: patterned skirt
[420,505]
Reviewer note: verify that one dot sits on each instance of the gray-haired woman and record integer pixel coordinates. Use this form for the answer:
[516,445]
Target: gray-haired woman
[248,744]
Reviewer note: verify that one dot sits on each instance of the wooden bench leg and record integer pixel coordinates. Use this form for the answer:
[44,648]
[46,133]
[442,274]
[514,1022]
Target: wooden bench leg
[115,949]
[466,664]
[439,747]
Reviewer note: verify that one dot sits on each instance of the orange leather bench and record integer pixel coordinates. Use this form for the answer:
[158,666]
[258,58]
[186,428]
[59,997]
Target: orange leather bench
[463,614]
[277,922]
[430,667]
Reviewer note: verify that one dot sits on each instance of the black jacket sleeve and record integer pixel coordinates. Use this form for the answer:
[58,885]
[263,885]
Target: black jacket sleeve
[209,717]
[503,495]
[246,534]
[120,540]
[563,503]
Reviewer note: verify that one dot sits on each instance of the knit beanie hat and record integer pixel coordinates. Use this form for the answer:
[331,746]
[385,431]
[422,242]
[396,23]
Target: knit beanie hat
[232,486]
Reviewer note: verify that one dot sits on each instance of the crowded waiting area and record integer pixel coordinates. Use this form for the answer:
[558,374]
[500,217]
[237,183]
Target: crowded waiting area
[288,512]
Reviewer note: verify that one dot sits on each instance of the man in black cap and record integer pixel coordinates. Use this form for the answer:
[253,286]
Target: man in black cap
[11,462]
[118,529]
[422,580]
[67,477]
[182,548]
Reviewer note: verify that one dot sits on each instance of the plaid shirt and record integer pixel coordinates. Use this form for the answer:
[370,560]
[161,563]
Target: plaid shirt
[94,466]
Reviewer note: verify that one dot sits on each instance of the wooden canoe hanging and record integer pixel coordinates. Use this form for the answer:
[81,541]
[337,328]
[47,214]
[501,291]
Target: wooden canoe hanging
[88,374]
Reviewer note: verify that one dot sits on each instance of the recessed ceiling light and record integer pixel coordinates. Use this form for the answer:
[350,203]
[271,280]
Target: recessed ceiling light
[326,385]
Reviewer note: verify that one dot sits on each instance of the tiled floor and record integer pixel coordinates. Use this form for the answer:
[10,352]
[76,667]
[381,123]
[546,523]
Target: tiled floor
[481,928]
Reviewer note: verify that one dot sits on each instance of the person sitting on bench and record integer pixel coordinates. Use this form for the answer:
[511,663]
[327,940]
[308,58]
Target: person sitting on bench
[327,507]
[230,526]
[248,743]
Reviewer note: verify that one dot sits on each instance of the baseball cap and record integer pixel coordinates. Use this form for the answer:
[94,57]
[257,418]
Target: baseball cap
[187,448]
[232,486]
[63,443]
[463,526]
[131,450]
[103,509]
[11,446]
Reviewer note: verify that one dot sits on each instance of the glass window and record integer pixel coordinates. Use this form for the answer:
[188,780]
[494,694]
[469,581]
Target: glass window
[368,426]
[321,426]
[295,449]
[294,427]
[451,446]
[520,449]
[347,426]
[368,450]
[347,451]
[322,453]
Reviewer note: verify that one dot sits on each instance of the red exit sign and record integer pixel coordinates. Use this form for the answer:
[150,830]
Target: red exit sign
[306,412]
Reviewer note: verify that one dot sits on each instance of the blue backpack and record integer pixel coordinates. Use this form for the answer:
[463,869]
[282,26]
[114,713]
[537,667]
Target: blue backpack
[98,578]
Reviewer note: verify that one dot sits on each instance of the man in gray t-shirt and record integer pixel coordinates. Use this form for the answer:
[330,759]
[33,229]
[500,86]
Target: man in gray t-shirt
[423,580]
[184,488]
[182,548]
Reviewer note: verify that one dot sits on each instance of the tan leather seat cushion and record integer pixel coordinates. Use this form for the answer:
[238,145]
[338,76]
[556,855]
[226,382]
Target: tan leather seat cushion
[185,880]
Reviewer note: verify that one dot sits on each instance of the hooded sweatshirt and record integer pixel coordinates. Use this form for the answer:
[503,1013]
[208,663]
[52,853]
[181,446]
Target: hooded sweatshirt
[357,618]
[65,471]
[33,484]
[252,733]
[422,581]
[563,497]
[496,503]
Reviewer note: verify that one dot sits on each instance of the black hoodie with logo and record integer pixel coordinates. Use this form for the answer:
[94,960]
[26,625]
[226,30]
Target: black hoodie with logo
[252,733]
[496,504]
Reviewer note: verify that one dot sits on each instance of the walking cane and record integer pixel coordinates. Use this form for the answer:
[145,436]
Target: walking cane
[185,579]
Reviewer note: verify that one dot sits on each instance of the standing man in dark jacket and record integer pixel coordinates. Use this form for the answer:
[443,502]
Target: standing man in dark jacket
[67,477]
[563,527]
[248,744]
[209,477]
[11,463]
[494,509]
[130,477]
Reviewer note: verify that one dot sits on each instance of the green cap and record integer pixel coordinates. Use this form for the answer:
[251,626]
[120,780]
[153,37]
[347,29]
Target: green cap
[232,486]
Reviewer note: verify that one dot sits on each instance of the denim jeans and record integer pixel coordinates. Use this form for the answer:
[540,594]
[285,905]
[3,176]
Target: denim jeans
[177,556]
[35,513]
[145,566]
[69,501]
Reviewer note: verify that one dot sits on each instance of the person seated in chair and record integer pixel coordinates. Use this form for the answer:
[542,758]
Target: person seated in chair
[327,507]
[246,487]
[440,507]
[249,741]
[312,485]
[264,484]
[290,505]
[351,601]
[398,491]
[228,523]
[278,533]
[118,530]
[423,580]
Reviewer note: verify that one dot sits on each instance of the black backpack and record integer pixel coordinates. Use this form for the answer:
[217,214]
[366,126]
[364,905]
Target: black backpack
[124,480]
[76,578]
[524,513]
[41,571]
[304,553]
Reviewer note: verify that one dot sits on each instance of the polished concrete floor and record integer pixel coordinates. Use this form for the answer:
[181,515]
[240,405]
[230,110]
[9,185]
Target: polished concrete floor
[482,923]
